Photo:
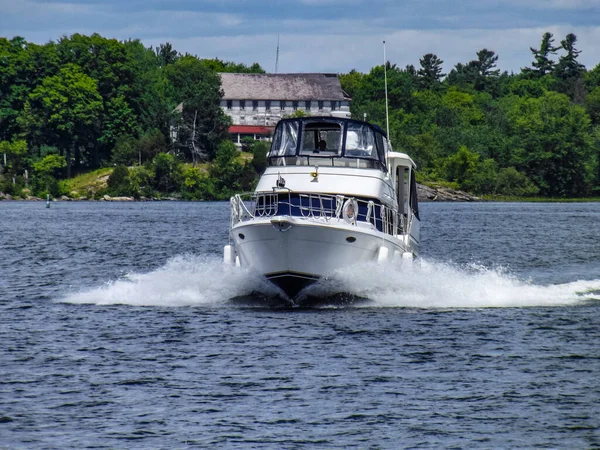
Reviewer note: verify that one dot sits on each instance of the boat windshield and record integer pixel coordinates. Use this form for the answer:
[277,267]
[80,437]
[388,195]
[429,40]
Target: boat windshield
[328,141]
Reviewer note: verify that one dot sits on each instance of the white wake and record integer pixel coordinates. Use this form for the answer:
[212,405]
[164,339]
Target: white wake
[185,280]
[195,281]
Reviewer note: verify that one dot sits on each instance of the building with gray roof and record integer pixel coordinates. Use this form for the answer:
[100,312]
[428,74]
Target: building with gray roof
[261,99]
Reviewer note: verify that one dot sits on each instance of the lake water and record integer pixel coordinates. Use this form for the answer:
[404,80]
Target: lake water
[120,328]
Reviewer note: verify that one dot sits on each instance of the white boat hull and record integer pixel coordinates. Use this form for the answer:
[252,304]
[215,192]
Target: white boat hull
[294,252]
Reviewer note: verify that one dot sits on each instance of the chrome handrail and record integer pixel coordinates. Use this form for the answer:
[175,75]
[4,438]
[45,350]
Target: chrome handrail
[249,206]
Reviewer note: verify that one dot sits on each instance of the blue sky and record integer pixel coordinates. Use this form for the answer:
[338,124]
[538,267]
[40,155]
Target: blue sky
[319,35]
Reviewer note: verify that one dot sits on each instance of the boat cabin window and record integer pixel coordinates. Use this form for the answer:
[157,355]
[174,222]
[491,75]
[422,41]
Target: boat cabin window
[328,142]
[322,137]
[360,141]
[285,140]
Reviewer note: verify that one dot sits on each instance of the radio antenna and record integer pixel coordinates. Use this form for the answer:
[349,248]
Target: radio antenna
[277,55]
[387,114]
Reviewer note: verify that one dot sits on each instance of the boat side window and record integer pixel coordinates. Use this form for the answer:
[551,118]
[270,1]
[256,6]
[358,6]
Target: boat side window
[414,203]
[285,140]
[381,147]
[360,141]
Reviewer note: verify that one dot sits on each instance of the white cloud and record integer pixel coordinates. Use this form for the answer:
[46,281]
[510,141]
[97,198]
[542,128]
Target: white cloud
[343,52]
[329,44]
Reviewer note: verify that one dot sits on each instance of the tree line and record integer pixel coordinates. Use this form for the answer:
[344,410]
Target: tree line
[86,102]
[536,132]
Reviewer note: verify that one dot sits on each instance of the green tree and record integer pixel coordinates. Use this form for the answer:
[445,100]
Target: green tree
[166,54]
[351,81]
[225,170]
[568,66]
[141,180]
[202,124]
[462,167]
[197,185]
[167,173]
[592,105]
[555,149]
[259,160]
[63,110]
[512,182]
[45,174]
[430,73]
[542,63]
[13,153]
[125,151]
[118,182]
[151,144]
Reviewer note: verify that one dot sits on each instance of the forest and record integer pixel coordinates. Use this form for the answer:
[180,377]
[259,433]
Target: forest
[87,102]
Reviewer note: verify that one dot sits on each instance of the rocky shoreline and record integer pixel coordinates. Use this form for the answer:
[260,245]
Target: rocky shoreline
[424,193]
[442,194]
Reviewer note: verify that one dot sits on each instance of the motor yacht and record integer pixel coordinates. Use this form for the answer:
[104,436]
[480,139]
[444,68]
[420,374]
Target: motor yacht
[334,194]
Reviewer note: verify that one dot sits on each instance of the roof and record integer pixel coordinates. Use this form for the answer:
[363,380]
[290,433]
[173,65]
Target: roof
[250,129]
[282,86]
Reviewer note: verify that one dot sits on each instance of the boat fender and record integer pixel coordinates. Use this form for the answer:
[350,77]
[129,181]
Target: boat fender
[237,262]
[382,254]
[228,255]
[407,259]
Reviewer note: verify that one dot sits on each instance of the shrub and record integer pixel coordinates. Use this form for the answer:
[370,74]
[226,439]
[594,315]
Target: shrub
[140,180]
[197,185]
[513,182]
[125,151]
[259,161]
[118,182]
[167,172]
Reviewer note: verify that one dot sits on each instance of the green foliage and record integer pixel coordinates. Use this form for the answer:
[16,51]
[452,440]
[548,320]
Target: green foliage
[197,185]
[125,151]
[554,144]
[118,182]
[542,63]
[141,180]
[592,105]
[46,173]
[247,143]
[202,123]
[95,101]
[430,72]
[461,167]
[259,160]
[297,113]
[167,173]
[351,82]
[218,65]
[151,144]
[512,182]
[51,165]
[226,171]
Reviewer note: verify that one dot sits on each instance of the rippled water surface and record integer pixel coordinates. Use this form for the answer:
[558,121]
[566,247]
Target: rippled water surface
[120,328]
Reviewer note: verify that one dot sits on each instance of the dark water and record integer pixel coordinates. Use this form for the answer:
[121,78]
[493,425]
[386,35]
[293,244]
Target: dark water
[117,330]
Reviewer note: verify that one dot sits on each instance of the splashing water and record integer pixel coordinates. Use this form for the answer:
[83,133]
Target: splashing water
[194,281]
[441,285]
[185,280]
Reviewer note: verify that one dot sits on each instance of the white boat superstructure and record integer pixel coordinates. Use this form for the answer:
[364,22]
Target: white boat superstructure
[333,195]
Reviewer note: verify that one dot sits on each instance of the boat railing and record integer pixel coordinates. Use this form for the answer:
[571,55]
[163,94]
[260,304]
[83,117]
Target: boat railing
[321,207]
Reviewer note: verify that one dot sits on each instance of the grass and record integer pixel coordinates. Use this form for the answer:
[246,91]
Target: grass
[81,185]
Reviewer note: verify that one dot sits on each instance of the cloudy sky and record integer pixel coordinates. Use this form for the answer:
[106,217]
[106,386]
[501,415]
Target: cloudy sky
[319,35]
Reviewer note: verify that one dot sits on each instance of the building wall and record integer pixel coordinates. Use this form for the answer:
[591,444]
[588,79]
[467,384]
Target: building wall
[262,112]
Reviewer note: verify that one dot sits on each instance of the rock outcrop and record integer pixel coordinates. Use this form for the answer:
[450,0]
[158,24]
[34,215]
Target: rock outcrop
[442,194]
[108,198]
